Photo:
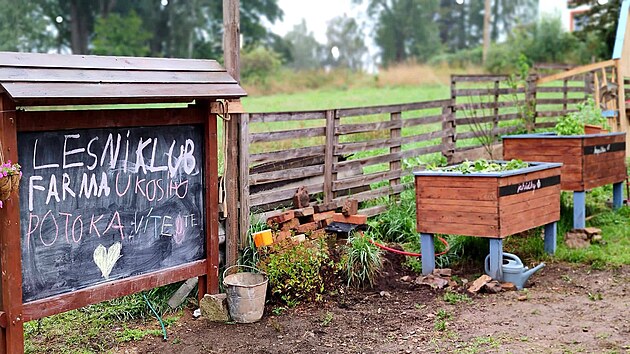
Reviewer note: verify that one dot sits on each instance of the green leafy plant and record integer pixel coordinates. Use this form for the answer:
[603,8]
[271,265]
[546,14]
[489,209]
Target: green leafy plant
[482,165]
[454,298]
[363,261]
[294,272]
[587,113]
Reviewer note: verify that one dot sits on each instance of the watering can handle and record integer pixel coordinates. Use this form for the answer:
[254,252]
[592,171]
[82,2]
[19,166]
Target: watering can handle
[513,257]
[243,266]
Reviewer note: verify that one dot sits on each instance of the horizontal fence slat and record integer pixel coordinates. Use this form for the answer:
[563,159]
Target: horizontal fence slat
[543,114]
[286,116]
[348,148]
[282,155]
[367,127]
[487,119]
[487,92]
[361,111]
[366,180]
[495,132]
[375,210]
[277,195]
[287,134]
[479,78]
[487,105]
[540,89]
[546,101]
[546,125]
[347,165]
[375,193]
[286,174]
[412,122]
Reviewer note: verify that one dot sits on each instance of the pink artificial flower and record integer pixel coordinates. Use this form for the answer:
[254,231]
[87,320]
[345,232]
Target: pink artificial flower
[5,173]
[1,204]
[9,162]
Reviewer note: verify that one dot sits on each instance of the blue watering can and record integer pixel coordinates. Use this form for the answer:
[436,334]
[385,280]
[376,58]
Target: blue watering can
[514,271]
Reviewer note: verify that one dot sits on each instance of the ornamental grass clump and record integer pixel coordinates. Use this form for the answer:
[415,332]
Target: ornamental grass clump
[363,261]
[10,176]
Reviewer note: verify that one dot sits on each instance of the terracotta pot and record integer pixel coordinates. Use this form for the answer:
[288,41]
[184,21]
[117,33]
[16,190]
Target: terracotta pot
[593,129]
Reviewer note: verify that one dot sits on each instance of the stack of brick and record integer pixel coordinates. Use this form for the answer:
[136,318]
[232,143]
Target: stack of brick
[296,222]
[311,221]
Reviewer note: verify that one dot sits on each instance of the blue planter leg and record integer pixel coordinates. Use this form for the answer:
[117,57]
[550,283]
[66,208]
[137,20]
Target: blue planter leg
[617,195]
[579,210]
[496,259]
[428,253]
[551,233]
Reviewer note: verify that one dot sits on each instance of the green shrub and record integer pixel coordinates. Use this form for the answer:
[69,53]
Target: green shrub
[362,262]
[295,271]
[258,64]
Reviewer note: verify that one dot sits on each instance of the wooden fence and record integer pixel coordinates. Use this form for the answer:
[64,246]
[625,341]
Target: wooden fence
[367,153]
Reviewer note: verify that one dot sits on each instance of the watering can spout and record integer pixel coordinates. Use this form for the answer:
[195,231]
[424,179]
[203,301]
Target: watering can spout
[529,273]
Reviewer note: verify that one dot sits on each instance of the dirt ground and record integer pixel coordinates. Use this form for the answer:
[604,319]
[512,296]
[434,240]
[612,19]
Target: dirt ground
[566,309]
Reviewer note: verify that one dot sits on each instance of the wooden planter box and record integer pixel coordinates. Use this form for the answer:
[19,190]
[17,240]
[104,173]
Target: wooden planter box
[492,205]
[588,161]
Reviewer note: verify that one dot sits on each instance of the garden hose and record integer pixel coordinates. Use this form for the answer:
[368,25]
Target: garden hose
[156,315]
[410,254]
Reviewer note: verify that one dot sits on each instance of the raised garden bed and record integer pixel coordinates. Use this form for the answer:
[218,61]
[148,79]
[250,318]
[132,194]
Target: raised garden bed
[488,204]
[588,161]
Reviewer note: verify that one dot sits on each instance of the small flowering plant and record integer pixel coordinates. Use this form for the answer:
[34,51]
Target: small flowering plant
[10,175]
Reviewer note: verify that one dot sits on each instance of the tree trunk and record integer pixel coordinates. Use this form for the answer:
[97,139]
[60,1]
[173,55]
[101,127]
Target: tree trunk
[79,31]
[486,30]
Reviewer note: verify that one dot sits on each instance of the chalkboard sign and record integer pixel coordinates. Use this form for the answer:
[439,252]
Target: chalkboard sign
[99,205]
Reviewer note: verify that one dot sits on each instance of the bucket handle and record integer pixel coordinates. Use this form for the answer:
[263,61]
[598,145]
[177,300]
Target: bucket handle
[243,266]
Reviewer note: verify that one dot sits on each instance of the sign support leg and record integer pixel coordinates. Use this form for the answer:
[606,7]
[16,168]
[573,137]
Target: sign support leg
[427,243]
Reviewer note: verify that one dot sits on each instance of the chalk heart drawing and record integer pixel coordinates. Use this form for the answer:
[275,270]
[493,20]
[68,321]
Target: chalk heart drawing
[105,259]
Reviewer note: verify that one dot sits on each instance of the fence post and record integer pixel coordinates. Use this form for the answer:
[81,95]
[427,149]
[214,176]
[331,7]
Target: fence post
[530,102]
[394,136]
[330,160]
[244,180]
[495,120]
[449,130]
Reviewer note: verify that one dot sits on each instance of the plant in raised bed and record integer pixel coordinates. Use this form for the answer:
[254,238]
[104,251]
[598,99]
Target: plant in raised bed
[483,166]
[587,117]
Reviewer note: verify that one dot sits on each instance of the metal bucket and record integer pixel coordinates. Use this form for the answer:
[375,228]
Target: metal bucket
[246,294]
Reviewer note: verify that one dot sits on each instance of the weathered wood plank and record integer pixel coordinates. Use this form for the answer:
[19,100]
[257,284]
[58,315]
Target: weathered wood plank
[286,116]
[282,155]
[351,164]
[286,174]
[287,134]
[281,194]
[41,75]
[366,180]
[372,194]
[487,119]
[361,111]
[37,60]
[348,148]
[476,92]
[487,105]
[330,158]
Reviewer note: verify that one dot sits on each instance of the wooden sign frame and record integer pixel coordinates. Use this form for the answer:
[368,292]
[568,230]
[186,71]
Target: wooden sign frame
[14,312]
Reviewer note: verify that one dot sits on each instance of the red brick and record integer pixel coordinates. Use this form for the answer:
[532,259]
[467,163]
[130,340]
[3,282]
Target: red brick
[350,207]
[304,212]
[352,219]
[323,216]
[326,222]
[307,227]
[281,236]
[289,225]
[279,219]
[320,208]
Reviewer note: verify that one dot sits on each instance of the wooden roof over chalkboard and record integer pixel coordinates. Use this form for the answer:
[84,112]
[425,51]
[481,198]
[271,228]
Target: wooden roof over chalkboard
[54,79]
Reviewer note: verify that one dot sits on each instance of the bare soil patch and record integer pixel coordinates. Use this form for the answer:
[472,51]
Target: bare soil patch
[567,308]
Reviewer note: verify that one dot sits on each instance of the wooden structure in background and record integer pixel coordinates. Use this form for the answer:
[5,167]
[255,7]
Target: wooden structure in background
[40,80]
[492,205]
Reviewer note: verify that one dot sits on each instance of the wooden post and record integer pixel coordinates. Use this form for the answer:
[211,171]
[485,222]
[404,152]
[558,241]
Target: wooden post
[449,128]
[394,135]
[329,155]
[11,335]
[231,48]
[495,120]
[530,101]
[244,179]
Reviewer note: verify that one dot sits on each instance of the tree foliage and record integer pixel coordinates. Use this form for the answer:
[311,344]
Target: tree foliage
[344,33]
[118,35]
[182,28]
[306,52]
[601,22]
